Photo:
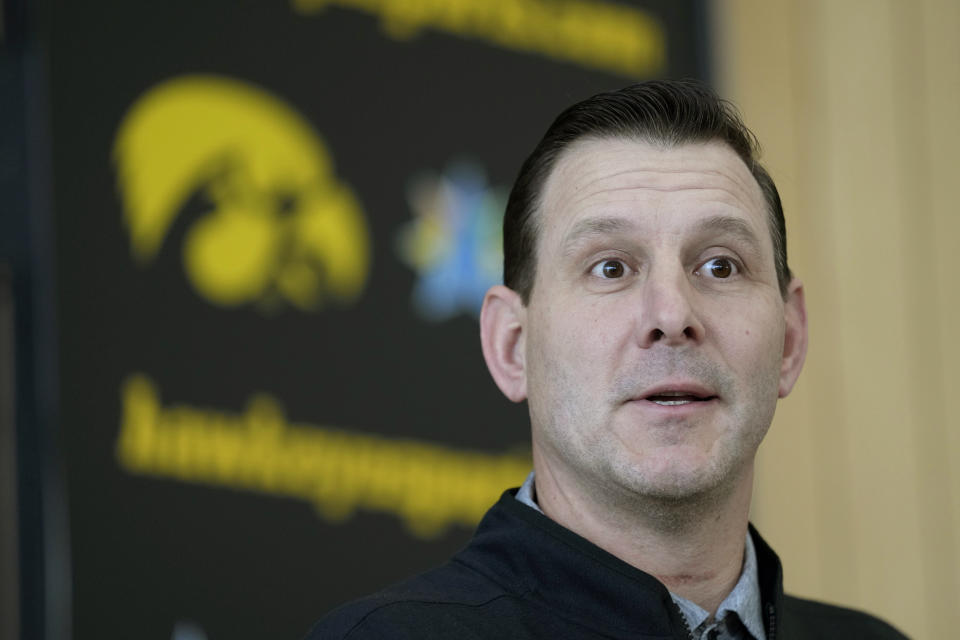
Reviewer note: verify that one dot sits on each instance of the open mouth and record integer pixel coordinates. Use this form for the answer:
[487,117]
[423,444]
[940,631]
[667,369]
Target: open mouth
[676,398]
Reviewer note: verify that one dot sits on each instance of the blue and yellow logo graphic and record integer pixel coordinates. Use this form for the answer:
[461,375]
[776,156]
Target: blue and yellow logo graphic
[454,242]
[278,225]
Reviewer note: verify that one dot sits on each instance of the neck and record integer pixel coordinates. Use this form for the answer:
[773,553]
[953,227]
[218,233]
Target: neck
[694,545]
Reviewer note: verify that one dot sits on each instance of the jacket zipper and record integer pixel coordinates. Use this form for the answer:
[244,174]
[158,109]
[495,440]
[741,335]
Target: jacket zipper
[771,622]
[683,618]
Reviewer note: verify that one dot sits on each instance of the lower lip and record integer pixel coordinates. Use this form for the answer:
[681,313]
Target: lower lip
[685,408]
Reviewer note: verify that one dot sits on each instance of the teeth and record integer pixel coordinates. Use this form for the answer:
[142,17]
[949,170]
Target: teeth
[671,403]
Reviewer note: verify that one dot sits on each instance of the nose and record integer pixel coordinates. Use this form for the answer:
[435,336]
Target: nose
[668,315]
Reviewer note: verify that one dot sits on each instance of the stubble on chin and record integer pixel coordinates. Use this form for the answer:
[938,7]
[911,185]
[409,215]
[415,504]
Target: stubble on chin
[579,434]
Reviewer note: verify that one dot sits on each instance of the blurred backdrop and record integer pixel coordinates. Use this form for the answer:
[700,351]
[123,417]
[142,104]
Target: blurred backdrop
[243,247]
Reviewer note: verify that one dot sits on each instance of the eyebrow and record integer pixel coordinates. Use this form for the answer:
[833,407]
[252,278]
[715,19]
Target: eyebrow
[606,226]
[609,226]
[731,226]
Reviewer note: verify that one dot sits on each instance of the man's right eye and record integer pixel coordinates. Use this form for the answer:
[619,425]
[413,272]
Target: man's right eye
[609,269]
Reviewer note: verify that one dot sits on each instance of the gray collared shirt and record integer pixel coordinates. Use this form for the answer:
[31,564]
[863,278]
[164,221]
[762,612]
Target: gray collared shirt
[738,617]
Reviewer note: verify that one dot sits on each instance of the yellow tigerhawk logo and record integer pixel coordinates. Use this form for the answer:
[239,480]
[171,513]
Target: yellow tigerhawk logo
[276,223]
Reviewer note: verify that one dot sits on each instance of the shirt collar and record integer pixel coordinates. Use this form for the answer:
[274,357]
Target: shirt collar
[744,600]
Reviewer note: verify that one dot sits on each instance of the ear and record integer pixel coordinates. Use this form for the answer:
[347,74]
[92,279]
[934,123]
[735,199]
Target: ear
[502,337]
[795,337]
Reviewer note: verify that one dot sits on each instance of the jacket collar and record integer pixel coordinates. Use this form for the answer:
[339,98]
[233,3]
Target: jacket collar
[770,575]
[533,557]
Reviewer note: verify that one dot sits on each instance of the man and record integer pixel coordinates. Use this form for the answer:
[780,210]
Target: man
[651,322]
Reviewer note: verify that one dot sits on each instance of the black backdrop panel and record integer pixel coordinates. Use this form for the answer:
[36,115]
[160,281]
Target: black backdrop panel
[274,226]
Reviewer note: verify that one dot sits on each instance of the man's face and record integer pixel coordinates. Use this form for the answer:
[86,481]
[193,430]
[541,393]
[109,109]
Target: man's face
[654,336]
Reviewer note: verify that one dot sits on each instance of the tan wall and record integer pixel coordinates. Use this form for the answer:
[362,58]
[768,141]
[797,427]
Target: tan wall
[857,103]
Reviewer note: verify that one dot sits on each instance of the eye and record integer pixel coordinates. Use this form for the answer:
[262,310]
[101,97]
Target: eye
[609,269]
[718,268]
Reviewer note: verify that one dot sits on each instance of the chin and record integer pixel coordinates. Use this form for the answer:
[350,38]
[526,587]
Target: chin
[677,480]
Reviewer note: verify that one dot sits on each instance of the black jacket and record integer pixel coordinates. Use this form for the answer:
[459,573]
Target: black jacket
[525,576]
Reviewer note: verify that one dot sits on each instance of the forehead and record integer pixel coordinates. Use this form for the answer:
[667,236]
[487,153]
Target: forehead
[667,185]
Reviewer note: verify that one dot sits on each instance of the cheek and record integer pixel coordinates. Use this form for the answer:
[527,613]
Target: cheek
[745,326]
[572,349]
[588,340]
[751,336]
[552,348]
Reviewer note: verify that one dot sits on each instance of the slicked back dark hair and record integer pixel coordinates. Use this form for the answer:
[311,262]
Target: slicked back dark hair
[670,113]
